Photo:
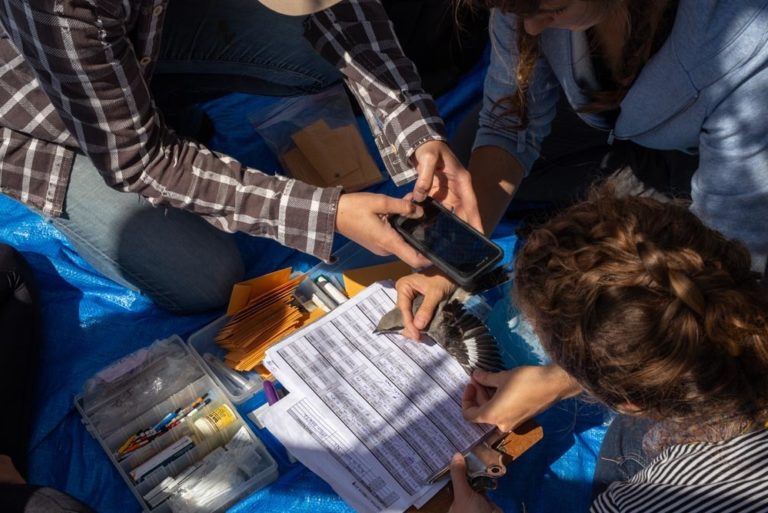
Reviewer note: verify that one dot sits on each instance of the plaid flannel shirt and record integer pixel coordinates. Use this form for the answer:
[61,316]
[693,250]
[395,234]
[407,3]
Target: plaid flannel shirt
[74,77]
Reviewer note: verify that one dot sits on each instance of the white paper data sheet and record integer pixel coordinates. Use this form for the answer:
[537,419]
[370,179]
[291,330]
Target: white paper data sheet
[377,415]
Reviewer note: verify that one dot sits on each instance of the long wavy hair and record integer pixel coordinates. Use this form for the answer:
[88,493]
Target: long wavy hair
[648,23]
[645,306]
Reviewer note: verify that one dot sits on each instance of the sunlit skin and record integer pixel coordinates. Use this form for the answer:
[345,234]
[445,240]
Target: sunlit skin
[576,15]
[580,15]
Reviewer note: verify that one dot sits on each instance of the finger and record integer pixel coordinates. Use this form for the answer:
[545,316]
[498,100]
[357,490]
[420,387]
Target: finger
[384,205]
[474,220]
[405,252]
[488,379]
[427,310]
[488,390]
[441,189]
[405,296]
[426,171]
[461,488]
[469,399]
[470,409]
[469,212]
[400,206]
[482,394]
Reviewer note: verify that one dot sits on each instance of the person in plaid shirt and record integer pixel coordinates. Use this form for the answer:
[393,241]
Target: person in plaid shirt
[79,125]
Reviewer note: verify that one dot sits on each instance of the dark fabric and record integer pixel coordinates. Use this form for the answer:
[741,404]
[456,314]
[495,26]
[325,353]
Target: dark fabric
[575,155]
[443,41]
[621,455]
[19,333]
[107,110]
[667,171]
[571,157]
[37,499]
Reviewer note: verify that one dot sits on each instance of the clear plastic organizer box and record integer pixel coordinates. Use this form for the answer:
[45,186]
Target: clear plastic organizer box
[219,467]
[205,349]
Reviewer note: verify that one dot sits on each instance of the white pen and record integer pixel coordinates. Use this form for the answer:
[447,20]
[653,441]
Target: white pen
[320,298]
[331,289]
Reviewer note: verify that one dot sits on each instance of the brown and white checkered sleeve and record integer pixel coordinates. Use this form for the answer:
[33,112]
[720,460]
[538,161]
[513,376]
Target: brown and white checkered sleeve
[87,66]
[357,36]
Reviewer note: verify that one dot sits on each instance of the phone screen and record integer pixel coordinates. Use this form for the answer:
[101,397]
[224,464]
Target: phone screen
[449,239]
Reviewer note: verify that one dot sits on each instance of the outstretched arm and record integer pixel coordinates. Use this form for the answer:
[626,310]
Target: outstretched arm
[358,38]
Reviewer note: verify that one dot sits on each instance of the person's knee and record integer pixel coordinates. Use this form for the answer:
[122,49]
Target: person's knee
[10,259]
[18,498]
[15,276]
[208,288]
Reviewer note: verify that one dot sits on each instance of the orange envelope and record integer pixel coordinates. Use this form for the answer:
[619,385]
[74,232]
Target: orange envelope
[242,292]
[355,280]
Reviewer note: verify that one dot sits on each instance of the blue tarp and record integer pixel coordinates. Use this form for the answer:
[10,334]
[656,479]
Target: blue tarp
[89,322]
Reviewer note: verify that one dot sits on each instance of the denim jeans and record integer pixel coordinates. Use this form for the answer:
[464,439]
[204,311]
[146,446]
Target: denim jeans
[574,156]
[16,498]
[19,348]
[621,454]
[177,259]
[19,354]
[209,49]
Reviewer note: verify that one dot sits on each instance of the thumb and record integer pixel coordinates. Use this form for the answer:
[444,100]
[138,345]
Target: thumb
[400,206]
[405,296]
[488,379]
[427,310]
[461,488]
[426,173]
[397,246]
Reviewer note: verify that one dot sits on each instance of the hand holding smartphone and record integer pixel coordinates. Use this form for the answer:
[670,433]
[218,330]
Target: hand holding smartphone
[454,246]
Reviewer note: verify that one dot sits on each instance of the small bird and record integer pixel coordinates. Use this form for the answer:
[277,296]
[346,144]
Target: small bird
[460,333]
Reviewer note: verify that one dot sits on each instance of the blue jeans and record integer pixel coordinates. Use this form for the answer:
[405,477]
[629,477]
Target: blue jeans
[209,49]
[621,454]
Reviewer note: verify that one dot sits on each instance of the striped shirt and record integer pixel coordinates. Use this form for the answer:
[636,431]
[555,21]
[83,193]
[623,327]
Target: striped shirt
[729,476]
[74,76]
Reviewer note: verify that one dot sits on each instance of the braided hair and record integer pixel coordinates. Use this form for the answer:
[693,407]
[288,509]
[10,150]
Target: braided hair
[644,305]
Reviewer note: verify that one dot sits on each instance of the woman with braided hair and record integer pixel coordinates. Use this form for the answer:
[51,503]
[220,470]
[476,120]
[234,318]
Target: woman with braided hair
[646,310]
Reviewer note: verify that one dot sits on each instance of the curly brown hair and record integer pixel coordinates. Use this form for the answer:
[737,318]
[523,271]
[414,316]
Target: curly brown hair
[644,305]
[648,25]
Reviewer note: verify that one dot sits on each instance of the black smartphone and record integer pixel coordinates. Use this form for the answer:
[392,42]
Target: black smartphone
[454,246]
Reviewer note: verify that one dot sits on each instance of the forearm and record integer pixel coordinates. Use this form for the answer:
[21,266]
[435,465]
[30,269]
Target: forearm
[402,116]
[496,176]
[563,384]
[108,109]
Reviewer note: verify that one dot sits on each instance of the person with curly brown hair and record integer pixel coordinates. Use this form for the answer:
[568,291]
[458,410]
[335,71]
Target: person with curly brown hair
[669,94]
[646,310]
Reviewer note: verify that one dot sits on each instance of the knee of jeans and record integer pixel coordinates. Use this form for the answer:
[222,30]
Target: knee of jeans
[10,259]
[209,288]
[15,276]
[49,500]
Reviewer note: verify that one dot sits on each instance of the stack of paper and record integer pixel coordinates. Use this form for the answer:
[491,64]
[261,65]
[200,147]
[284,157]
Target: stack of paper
[376,416]
[262,312]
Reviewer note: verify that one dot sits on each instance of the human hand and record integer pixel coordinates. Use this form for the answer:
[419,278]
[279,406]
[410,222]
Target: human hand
[509,398]
[431,284]
[465,499]
[445,179]
[362,217]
